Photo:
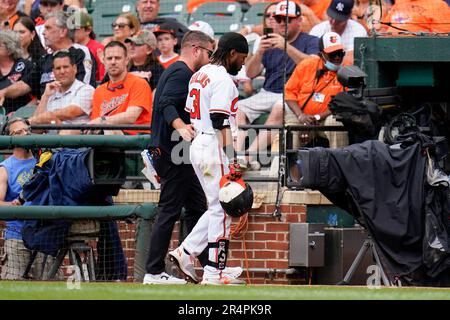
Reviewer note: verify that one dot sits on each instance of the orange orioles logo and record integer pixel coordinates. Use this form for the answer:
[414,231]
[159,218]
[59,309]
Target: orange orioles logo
[333,39]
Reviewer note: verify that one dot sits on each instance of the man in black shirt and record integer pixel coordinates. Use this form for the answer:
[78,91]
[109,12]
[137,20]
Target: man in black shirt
[57,37]
[170,126]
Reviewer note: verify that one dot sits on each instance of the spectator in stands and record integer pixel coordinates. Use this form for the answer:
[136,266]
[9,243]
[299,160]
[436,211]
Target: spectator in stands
[32,48]
[340,21]
[202,26]
[126,25]
[311,10]
[167,40]
[418,16]
[9,14]
[125,98]
[148,16]
[270,56]
[57,37]
[308,92]
[12,68]
[143,59]
[46,7]
[65,100]
[14,173]
[84,35]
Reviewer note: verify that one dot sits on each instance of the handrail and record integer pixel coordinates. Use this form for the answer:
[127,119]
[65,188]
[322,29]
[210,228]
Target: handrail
[73,141]
[145,211]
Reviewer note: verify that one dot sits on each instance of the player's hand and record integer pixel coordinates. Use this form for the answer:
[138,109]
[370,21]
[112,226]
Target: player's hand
[187,132]
[235,170]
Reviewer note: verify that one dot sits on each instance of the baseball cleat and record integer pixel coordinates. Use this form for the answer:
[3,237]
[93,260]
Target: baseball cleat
[184,262]
[162,278]
[234,272]
[216,280]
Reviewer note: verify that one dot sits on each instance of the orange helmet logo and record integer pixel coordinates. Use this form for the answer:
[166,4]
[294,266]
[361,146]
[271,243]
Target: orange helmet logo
[333,39]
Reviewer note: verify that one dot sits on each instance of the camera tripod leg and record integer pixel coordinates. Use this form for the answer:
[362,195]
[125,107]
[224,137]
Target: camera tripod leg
[362,252]
[384,278]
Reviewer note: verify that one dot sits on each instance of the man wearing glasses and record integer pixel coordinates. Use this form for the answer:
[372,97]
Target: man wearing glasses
[271,56]
[180,186]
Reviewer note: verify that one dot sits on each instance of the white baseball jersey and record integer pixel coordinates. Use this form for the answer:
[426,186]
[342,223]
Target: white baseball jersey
[211,90]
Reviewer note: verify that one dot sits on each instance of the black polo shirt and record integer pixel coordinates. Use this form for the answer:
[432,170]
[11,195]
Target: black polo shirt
[20,68]
[42,72]
[168,104]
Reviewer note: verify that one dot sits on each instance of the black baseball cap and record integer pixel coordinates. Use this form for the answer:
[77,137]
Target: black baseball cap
[340,9]
[233,40]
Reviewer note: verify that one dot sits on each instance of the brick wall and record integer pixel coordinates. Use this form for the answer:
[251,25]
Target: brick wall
[265,245]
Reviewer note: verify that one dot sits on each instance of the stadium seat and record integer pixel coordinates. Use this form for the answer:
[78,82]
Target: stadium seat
[90,6]
[254,15]
[174,9]
[24,112]
[222,16]
[105,13]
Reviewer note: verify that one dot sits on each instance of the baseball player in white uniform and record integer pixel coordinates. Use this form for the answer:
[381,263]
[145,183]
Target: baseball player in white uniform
[211,102]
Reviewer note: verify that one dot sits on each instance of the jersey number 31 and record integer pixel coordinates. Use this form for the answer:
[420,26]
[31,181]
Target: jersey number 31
[195,110]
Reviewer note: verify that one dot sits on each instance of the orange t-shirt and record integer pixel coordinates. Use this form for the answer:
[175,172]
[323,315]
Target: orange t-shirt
[419,15]
[320,8]
[167,63]
[113,98]
[303,81]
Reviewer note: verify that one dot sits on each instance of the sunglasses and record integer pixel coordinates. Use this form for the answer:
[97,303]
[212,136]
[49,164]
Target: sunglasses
[210,52]
[120,25]
[337,54]
[118,87]
[48,4]
[280,19]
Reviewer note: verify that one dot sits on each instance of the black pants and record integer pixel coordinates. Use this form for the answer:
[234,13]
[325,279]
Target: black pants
[179,188]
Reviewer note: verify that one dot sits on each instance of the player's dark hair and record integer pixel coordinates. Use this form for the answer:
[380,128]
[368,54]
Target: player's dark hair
[220,56]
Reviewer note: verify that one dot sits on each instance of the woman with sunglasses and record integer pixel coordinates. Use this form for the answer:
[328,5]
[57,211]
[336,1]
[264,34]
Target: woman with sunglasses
[126,25]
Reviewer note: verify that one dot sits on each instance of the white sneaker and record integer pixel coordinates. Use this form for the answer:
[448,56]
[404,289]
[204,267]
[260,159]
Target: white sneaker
[162,278]
[234,272]
[184,262]
[221,278]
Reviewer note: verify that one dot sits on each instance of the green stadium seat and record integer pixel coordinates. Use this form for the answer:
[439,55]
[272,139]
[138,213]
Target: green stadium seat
[174,9]
[222,16]
[24,112]
[105,13]
[90,6]
[254,15]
